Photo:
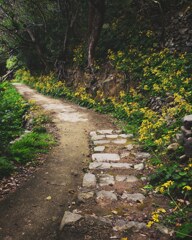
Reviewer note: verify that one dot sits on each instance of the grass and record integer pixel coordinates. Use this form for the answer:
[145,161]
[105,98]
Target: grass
[16,147]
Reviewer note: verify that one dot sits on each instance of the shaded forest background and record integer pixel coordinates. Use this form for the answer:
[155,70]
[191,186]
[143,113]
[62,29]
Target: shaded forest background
[54,35]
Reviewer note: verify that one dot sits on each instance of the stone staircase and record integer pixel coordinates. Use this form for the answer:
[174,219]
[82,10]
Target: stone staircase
[112,188]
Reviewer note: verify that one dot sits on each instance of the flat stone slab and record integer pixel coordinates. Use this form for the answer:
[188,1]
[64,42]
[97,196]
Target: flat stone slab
[89,180]
[69,218]
[121,165]
[126,135]
[93,133]
[105,157]
[99,149]
[131,179]
[85,195]
[136,197]
[122,226]
[101,142]
[99,165]
[125,154]
[129,147]
[97,137]
[120,178]
[128,178]
[106,180]
[139,166]
[106,195]
[113,136]
[142,155]
[105,165]
[105,131]
[119,141]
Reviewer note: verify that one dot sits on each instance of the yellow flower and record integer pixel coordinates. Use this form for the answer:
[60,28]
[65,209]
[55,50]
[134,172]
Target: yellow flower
[149,224]
[187,188]
[168,184]
[161,210]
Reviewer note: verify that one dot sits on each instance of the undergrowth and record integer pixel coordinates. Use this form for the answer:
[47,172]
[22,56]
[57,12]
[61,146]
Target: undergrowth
[18,146]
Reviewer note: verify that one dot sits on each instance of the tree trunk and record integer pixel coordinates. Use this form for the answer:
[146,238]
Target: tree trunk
[38,49]
[96,20]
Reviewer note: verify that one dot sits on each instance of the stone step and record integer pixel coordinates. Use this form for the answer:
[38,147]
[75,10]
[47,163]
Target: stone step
[97,137]
[106,196]
[99,149]
[105,165]
[106,180]
[105,157]
[135,197]
[89,180]
[119,141]
[126,178]
[101,142]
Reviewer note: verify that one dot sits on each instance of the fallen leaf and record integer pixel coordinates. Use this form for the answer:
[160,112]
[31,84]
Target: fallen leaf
[48,198]
[114,212]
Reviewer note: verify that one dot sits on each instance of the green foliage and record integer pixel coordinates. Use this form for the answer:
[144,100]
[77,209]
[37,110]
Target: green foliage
[12,63]
[13,111]
[5,166]
[29,145]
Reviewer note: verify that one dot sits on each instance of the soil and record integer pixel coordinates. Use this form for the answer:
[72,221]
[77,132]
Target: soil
[35,210]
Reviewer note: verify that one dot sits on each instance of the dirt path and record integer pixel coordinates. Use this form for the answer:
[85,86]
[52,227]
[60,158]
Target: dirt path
[26,214]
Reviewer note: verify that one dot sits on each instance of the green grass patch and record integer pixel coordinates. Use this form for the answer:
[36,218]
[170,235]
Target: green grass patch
[14,111]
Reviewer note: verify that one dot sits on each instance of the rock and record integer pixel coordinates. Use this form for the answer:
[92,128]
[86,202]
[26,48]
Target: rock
[107,131]
[120,178]
[142,155]
[99,165]
[164,230]
[69,218]
[143,179]
[105,165]
[187,122]
[101,142]
[106,180]
[179,138]
[93,133]
[112,136]
[183,30]
[126,135]
[105,157]
[99,149]
[118,131]
[131,179]
[129,147]
[119,141]
[97,137]
[183,158]
[173,146]
[122,165]
[187,133]
[125,154]
[82,196]
[136,197]
[104,219]
[139,166]
[119,226]
[188,147]
[106,195]
[89,180]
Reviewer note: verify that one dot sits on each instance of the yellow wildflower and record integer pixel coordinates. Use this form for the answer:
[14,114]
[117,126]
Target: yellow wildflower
[187,188]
